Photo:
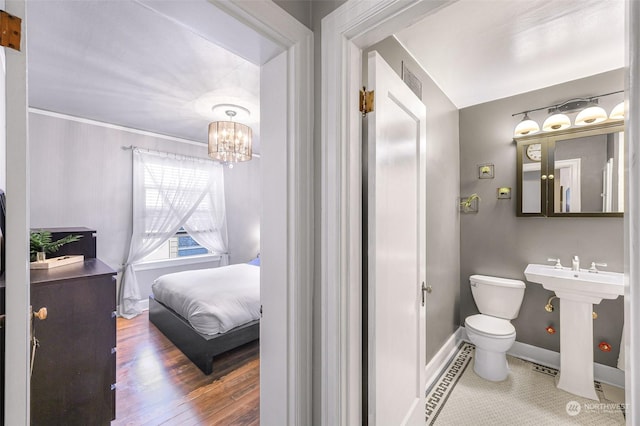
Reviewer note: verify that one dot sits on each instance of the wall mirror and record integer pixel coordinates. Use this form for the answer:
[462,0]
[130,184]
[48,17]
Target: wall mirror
[573,172]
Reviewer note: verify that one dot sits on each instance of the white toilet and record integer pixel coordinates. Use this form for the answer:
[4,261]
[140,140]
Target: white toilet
[498,300]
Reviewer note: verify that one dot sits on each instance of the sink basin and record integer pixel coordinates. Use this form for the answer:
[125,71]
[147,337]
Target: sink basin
[589,286]
[578,291]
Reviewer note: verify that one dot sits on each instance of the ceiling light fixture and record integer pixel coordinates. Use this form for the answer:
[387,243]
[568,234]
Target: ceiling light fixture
[618,112]
[229,141]
[589,113]
[556,121]
[527,126]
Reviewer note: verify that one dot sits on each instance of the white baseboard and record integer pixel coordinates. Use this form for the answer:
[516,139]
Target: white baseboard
[602,373]
[144,304]
[535,354]
[609,375]
[442,357]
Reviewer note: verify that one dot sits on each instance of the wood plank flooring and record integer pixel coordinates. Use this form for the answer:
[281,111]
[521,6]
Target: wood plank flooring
[158,385]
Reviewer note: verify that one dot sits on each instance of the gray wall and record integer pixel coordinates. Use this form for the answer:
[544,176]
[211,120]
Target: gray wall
[80,176]
[443,183]
[496,242]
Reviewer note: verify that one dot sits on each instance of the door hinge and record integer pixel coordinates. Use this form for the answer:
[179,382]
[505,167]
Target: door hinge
[10,30]
[260,311]
[366,101]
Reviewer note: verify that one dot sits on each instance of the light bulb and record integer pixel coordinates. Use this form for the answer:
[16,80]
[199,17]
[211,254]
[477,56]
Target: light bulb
[618,112]
[526,127]
[591,115]
[556,122]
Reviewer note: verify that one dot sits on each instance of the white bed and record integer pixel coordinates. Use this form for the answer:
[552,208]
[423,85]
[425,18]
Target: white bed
[212,300]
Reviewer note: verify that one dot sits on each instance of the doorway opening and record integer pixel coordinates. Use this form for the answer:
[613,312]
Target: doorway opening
[271,21]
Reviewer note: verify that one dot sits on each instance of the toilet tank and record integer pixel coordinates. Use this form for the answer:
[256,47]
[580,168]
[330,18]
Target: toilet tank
[498,297]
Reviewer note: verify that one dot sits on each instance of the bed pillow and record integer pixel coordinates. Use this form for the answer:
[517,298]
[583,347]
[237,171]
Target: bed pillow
[255,261]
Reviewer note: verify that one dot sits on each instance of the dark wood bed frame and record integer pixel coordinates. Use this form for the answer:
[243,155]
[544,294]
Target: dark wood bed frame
[199,348]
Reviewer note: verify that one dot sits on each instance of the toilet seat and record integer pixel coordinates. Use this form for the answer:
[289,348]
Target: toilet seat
[490,326]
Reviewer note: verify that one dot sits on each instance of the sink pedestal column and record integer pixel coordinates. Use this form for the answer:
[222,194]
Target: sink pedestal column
[576,347]
[578,291]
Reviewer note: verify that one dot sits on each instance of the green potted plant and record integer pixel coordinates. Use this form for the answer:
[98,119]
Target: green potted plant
[42,243]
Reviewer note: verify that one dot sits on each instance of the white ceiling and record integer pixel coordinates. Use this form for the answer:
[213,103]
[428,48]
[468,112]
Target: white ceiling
[482,50]
[152,65]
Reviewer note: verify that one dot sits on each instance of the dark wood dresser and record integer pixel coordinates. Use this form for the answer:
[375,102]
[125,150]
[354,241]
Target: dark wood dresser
[2,345]
[74,372]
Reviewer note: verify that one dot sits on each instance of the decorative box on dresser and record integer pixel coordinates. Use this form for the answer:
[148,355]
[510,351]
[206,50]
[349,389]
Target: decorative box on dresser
[74,370]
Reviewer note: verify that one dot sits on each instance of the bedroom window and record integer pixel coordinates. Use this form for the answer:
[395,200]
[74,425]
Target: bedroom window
[178,211]
[180,245]
[171,186]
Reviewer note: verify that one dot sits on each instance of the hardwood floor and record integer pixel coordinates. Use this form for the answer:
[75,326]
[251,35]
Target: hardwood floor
[158,385]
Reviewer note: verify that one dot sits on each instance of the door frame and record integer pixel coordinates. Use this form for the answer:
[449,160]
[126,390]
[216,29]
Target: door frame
[573,166]
[345,32]
[632,213]
[17,324]
[267,18]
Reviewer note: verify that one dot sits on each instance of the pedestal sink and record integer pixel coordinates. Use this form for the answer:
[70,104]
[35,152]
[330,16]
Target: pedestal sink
[578,292]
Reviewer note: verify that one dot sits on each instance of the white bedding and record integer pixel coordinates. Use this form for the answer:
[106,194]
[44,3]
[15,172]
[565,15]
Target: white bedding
[212,300]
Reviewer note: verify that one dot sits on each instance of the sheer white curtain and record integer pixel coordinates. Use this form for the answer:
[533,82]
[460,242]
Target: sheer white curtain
[170,192]
[208,223]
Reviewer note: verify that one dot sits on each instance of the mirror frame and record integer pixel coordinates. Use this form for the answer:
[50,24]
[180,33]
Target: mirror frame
[547,140]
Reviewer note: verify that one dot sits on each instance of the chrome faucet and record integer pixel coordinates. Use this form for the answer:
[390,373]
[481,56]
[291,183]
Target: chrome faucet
[558,265]
[575,263]
[594,269]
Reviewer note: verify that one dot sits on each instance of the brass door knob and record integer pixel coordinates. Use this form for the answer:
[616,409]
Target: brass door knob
[41,314]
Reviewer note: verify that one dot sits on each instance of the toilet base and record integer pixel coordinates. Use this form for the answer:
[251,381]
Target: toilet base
[491,366]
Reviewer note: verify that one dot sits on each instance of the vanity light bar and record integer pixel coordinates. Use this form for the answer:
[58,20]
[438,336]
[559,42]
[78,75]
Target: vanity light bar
[590,113]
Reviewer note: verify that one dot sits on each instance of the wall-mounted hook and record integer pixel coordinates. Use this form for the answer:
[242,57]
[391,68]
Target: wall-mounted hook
[470,204]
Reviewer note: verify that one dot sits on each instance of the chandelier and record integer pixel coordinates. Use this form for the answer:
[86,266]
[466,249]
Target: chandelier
[229,141]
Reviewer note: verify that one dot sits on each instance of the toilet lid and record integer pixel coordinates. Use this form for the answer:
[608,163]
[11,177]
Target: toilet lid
[490,325]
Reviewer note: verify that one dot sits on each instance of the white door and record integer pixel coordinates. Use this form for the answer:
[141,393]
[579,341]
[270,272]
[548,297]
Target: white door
[396,250]
[17,402]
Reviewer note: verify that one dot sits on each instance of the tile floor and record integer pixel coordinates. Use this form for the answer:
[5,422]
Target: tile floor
[528,397]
